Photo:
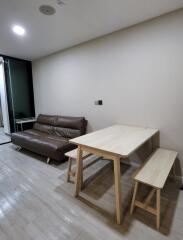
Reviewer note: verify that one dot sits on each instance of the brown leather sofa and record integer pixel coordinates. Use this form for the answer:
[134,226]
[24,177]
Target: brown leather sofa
[50,135]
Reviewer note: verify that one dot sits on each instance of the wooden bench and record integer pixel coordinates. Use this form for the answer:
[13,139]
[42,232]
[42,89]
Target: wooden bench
[154,173]
[72,155]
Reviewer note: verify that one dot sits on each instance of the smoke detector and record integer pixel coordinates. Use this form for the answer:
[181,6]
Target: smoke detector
[47,10]
[60,2]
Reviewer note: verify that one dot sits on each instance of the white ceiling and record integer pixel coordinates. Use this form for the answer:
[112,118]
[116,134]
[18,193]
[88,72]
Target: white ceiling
[75,22]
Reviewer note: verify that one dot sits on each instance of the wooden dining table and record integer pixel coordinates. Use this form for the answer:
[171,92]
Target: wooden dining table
[115,143]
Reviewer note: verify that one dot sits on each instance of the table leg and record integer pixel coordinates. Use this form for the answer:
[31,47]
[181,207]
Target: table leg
[78,171]
[158,199]
[117,178]
[174,171]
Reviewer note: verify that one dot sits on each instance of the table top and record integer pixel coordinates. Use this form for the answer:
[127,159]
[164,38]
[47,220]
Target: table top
[25,120]
[117,139]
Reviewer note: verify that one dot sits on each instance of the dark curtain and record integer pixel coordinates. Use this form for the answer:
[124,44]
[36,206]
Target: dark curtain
[19,84]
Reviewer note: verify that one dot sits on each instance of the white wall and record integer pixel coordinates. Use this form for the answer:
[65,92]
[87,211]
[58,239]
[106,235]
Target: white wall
[137,72]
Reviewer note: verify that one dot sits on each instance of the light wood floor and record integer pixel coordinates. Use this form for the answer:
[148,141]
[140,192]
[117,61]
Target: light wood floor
[3,137]
[36,203]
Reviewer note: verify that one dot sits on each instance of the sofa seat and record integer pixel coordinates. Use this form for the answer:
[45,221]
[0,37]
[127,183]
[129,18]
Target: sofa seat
[43,144]
[50,136]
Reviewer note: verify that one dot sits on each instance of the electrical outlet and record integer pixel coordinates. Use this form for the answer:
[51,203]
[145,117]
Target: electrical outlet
[99,102]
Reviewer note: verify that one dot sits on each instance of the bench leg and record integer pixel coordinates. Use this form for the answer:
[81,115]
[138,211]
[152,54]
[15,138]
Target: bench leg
[156,211]
[134,197]
[69,169]
[72,173]
[158,207]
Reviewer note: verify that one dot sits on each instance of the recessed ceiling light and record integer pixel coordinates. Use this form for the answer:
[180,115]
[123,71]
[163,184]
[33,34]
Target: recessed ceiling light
[19,30]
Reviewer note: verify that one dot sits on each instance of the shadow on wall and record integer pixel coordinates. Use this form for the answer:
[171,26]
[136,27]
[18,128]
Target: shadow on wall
[89,128]
[146,149]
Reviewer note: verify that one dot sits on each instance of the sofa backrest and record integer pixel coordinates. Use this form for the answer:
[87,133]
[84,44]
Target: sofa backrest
[67,127]
[46,119]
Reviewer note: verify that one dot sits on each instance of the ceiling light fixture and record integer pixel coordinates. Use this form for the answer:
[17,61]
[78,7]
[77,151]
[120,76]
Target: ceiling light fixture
[19,30]
[47,10]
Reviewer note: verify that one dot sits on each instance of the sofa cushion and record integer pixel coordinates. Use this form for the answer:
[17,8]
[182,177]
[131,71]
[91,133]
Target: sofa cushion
[20,138]
[70,122]
[46,145]
[66,132]
[33,132]
[46,119]
[43,128]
